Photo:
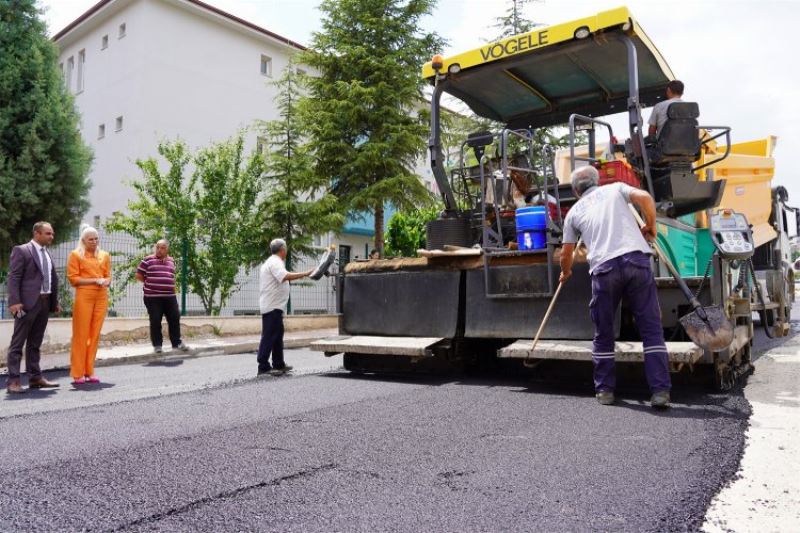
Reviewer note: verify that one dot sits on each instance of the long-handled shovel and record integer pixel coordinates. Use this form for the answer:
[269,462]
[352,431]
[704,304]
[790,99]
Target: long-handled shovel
[527,362]
[708,327]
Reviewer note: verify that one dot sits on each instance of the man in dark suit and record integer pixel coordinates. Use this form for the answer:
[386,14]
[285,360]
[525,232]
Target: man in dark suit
[32,296]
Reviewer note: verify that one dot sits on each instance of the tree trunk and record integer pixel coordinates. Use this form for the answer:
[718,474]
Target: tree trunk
[379,228]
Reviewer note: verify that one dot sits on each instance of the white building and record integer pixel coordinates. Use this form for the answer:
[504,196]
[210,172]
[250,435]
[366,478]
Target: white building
[147,70]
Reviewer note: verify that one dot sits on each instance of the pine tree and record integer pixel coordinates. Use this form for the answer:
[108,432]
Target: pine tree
[514,21]
[366,130]
[43,161]
[296,205]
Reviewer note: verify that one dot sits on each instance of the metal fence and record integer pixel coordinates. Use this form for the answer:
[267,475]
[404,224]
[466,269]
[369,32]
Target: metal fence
[307,297]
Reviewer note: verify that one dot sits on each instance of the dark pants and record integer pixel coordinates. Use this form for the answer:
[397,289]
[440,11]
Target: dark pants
[271,340]
[629,276]
[157,307]
[28,332]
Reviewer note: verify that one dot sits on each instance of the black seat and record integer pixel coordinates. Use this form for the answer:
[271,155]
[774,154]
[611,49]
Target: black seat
[679,140]
[672,155]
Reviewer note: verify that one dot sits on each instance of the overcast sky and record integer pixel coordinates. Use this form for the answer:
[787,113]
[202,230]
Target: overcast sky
[736,57]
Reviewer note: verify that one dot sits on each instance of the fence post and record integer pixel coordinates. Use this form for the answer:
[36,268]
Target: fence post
[184,274]
[289,301]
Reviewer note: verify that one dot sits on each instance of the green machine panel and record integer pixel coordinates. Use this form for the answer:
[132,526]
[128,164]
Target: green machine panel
[679,242]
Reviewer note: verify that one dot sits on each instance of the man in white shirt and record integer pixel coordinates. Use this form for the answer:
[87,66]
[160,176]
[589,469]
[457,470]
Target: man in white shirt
[659,115]
[273,295]
[619,265]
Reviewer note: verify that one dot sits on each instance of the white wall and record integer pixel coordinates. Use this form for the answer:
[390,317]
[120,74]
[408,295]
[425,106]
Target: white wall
[180,71]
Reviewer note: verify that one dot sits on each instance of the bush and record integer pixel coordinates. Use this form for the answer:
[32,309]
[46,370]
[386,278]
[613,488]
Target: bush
[405,233]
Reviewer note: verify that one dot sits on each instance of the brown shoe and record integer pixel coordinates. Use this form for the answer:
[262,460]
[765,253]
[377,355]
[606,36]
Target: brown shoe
[42,383]
[14,387]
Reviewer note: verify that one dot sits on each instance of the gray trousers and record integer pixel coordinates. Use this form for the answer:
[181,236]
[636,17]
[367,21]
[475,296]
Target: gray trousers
[28,332]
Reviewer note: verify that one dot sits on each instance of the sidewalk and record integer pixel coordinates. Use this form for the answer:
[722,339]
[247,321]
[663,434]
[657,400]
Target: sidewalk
[765,496]
[200,347]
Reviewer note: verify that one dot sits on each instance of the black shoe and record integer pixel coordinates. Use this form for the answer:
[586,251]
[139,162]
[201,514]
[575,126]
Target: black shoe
[264,372]
[281,371]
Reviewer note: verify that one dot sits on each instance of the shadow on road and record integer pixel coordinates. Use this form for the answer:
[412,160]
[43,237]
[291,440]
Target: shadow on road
[32,394]
[91,387]
[168,363]
[420,379]
[690,400]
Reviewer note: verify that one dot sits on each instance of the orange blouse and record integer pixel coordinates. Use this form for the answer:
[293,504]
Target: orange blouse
[92,266]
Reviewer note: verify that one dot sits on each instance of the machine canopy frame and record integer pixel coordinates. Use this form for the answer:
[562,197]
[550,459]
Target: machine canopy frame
[539,78]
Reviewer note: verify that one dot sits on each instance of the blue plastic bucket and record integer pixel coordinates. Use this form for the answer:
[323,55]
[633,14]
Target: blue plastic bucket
[531,227]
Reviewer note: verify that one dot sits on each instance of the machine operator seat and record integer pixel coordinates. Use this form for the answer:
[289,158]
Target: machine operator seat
[675,185]
[678,141]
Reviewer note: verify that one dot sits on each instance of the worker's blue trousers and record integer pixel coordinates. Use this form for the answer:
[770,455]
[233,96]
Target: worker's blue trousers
[628,276]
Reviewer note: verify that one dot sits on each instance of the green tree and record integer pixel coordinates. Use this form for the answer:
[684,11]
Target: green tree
[296,205]
[366,133]
[513,22]
[212,212]
[405,233]
[43,161]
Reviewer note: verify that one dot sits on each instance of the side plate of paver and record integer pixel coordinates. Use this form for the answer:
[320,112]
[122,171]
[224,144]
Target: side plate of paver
[364,344]
[679,352]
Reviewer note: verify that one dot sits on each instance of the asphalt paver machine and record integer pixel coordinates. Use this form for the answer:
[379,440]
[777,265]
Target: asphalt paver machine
[475,293]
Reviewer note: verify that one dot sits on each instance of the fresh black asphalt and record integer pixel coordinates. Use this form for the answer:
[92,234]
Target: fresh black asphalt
[200,445]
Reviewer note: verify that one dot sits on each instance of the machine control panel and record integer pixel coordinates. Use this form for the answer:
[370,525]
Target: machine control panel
[731,234]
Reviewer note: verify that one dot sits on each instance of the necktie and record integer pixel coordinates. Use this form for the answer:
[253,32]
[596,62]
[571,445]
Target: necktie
[45,272]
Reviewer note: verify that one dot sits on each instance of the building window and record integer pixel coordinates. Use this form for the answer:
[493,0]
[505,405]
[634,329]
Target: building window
[261,145]
[266,66]
[97,221]
[61,68]
[118,124]
[101,131]
[122,29]
[104,42]
[81,69]
[70,68]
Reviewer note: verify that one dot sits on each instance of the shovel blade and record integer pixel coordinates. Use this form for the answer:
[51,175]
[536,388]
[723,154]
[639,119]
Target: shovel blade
[714,335]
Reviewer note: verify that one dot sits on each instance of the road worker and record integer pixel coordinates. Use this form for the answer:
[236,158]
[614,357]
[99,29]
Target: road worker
[619,264]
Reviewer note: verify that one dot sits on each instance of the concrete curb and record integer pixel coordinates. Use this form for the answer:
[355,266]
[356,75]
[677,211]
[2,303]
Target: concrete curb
[224,349]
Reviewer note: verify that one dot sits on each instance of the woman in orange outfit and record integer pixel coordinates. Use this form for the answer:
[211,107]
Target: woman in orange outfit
[89,271]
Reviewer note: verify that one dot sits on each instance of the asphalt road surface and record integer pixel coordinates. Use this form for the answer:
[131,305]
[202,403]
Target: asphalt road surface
[201,444]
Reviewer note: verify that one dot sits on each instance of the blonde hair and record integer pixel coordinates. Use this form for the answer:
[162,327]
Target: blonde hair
[86,230]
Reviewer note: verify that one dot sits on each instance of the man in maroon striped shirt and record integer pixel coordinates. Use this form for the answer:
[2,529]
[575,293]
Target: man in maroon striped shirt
[157,272]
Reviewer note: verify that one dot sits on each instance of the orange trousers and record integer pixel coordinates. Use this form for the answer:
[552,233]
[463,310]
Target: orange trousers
[88,315]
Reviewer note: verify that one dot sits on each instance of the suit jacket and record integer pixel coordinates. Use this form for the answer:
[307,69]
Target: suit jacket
[25,278]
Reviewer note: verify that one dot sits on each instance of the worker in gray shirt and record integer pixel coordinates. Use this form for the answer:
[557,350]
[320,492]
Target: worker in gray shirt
[659,115]
[619,264]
